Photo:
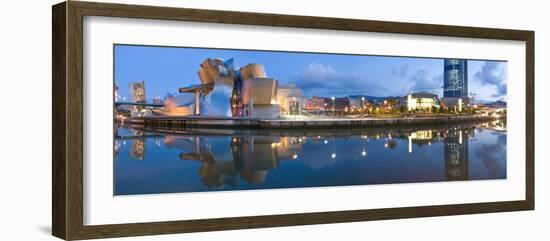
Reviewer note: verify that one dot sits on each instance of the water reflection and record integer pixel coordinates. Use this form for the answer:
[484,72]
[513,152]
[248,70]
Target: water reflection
[206,160]
[456,156]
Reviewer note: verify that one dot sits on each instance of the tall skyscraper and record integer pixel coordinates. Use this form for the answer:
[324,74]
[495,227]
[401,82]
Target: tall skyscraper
[455,78]
[137,91]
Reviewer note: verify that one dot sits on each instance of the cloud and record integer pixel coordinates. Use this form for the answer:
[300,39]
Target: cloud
[493,74]
[319,79]
[421,82]
[402,72]
[317,76]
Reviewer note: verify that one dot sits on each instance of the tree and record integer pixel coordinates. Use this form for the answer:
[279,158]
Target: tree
[402,109]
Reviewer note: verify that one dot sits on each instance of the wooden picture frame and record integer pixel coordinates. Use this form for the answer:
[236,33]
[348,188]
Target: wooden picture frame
[67,123]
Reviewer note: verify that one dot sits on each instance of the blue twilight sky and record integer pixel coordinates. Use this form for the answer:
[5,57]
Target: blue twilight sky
[166,69]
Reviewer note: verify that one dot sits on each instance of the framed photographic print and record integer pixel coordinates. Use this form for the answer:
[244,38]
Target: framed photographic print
[171,120]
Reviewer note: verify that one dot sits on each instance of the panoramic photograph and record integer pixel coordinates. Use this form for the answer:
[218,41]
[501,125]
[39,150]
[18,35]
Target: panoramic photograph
[189,119]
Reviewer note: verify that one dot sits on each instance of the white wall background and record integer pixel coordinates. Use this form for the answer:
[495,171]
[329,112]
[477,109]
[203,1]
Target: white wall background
[25,136]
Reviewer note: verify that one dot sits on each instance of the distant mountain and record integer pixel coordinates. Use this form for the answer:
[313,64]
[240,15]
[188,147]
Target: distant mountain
[372,98]
[498,103]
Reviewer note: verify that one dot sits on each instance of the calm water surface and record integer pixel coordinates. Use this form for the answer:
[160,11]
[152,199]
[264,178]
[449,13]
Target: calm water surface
[213,160]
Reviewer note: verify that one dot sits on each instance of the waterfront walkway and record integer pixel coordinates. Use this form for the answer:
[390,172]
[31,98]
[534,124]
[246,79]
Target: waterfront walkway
[168,122]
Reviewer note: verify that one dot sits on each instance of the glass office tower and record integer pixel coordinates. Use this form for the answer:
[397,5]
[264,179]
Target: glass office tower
[455,82]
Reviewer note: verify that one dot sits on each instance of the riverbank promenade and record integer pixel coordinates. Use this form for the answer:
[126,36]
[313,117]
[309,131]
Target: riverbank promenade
[167,122]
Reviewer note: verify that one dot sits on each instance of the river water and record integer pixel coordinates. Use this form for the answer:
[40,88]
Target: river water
[148,162]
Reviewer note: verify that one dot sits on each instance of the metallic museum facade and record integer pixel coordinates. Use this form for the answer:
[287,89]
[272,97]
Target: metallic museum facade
[228,92]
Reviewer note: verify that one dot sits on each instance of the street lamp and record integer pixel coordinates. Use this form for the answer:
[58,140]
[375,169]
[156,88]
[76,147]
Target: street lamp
[294,107]
[333,107]
[363,104]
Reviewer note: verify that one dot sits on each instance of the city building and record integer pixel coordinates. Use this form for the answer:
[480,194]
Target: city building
[158,101]
[259,98]
[290,99]
[455,78]
[217,98]
[213,95]
[337,103]
[210,69]
[226,92]
[180,105]
[388,105]
[257,93]
[137,91]
[455,104]
[115,90]
[140,112]
[250,71]
[421,101]
[358,102]
[316,103]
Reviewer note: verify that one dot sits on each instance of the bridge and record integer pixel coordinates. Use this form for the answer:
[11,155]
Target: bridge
[138,104]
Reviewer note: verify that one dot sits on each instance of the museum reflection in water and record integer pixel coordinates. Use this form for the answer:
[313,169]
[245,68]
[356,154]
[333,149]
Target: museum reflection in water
[147,162]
